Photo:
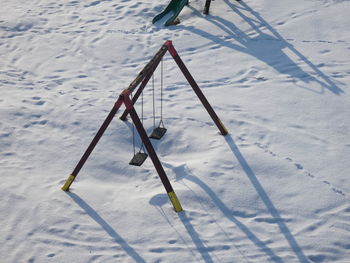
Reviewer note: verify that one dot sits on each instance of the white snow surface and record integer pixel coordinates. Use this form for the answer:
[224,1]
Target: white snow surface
[275,189]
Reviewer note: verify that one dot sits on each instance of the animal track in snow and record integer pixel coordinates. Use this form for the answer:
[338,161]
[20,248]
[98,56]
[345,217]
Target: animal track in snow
[299,167]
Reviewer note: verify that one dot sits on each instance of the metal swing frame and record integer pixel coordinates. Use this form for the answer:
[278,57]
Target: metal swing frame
[125,98]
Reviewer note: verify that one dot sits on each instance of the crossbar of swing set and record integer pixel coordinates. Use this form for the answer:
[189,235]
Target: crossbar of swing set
[144,76]
[124,98]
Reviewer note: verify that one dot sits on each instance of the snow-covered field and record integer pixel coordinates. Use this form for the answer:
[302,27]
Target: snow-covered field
[275,189]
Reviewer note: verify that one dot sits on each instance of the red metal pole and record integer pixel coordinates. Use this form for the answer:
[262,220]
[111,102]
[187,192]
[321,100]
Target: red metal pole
[93,143]
[195,87]
[206,7]
[151,152]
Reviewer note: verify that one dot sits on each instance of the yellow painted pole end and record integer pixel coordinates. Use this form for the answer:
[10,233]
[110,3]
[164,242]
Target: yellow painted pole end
[175,201]
[223,127]
[68,183]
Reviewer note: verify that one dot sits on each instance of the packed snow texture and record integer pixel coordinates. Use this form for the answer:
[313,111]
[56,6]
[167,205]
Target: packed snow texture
[275,189]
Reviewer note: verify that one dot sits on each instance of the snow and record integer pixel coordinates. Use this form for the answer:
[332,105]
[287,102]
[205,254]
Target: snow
[275,189]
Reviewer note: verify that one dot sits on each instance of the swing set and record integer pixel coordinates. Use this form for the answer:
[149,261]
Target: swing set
[126,97]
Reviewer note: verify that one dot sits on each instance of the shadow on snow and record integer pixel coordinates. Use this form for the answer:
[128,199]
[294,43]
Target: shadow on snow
[161,199]
[182,173]
[265,47]
[110,231]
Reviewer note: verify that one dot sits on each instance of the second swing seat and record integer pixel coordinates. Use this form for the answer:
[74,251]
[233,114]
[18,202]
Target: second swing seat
[158,133]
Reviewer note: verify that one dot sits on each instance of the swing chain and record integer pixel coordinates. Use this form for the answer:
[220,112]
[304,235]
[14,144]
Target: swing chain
[154,107]
[161,124]
[142,148]
[158,132]
[141,155]
[161,93]
[133,131]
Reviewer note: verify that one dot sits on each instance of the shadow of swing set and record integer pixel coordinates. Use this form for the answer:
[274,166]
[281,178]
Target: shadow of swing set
[175,7]
[128,100]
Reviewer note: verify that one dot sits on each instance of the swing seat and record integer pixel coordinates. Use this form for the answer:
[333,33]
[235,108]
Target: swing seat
[138,159]
[158,133]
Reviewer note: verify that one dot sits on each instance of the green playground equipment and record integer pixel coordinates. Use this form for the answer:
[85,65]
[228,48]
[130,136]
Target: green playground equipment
[175,6]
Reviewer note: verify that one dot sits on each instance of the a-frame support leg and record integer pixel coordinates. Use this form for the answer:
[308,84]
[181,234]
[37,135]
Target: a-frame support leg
[93,143]
[196,89]
[152,154]
[206,7]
